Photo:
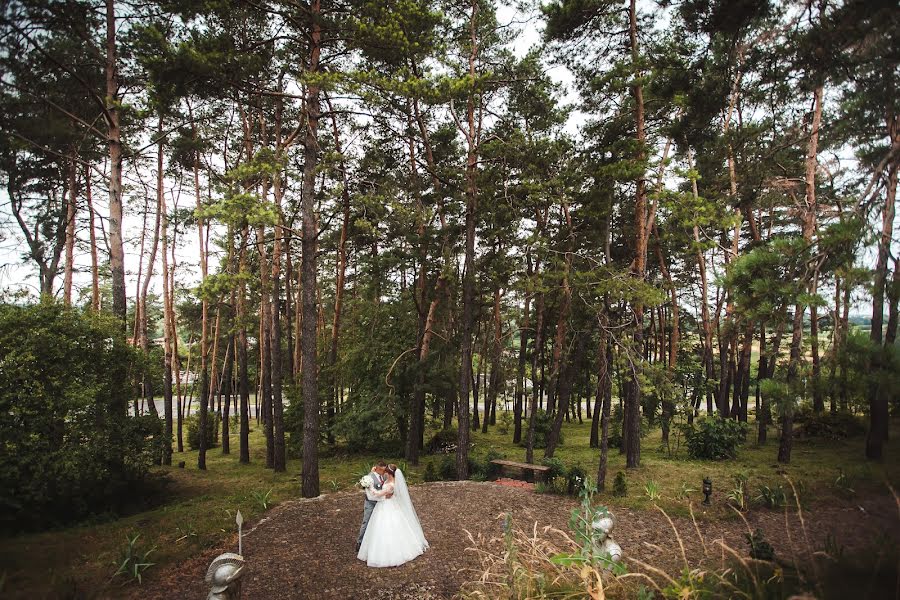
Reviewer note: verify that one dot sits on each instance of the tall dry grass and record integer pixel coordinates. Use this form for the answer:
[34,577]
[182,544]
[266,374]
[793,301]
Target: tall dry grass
[538,564]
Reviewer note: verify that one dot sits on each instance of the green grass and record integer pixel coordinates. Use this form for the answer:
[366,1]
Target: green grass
[200,506]
[815,465]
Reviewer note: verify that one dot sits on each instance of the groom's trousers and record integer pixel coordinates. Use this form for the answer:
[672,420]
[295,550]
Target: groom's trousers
[367,514]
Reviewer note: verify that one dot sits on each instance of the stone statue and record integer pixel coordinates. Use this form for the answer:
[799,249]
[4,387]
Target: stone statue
[603,543]
[224,577]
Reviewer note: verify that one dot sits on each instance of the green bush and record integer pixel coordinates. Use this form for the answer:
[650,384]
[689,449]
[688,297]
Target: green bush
[366,427]
[504,422]
[542,426]
[447,468]
[713,438]
[430,473]
[443,441]
[620,485]
[193,431]
[557,469]
[836,426]
[69,447]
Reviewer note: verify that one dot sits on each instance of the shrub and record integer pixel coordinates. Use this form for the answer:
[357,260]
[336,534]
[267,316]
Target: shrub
[620,486]
[760,549]
[542,426]
[713,438]
[69,447]
[829,426]
[443,441]
[557,469]
[193,431]
[447,470]
[576,477]
[504,422]
[146,436]
[430,473]
[366,427]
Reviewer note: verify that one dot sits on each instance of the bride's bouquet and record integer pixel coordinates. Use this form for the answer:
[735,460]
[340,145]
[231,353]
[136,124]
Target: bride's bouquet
[365,482]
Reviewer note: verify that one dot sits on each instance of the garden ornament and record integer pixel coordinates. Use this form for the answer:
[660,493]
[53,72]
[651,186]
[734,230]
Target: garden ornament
[607,547]
[224,577]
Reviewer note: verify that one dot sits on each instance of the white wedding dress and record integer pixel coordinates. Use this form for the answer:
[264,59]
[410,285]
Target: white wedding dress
[394,535]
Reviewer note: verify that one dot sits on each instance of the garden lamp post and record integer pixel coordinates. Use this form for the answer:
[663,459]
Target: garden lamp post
[707,489]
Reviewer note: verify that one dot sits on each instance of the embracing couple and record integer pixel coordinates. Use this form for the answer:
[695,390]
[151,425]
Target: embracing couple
[390,534]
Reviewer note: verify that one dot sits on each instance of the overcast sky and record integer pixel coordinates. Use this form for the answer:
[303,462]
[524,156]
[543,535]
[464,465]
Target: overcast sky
[17,275]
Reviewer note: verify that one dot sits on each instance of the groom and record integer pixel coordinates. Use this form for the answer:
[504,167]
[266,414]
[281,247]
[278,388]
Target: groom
[377,475]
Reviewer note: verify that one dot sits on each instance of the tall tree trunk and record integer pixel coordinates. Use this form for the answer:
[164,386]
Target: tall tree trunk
[878,396]
[143,334]
[704,301]
[167,306]
[137,291]
[744,372]
[440,287]
[604,391]
[308,265]
[114,140]
[818,398]
[565,393]
[559,341]
[632,424]
[70,231]
[893,294]
[468,319]
[787,413]
[265,342]
[95,266]
[339,291]
[243,376]
[173,338]
[845,330]
[490,406]
[279,459]
[668,407]
[204,313]
[535,357]
[518,404]
[762,372]
[809,225]
[228,388]
[835,346]
[476,377]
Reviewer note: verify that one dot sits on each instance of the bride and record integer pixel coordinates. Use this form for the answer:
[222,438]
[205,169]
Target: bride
[394,535]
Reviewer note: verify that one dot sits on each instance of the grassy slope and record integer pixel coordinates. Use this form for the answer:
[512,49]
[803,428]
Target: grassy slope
[200,506]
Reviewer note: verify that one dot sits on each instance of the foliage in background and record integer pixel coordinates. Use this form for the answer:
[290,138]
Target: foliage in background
[193,431]
[713,438]
[70,449]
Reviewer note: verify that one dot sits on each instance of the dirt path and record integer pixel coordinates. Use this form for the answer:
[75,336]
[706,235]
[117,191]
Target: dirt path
[305,548]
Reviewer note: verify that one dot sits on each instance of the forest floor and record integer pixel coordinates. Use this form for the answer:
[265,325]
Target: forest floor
[191,519]
[305,548]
